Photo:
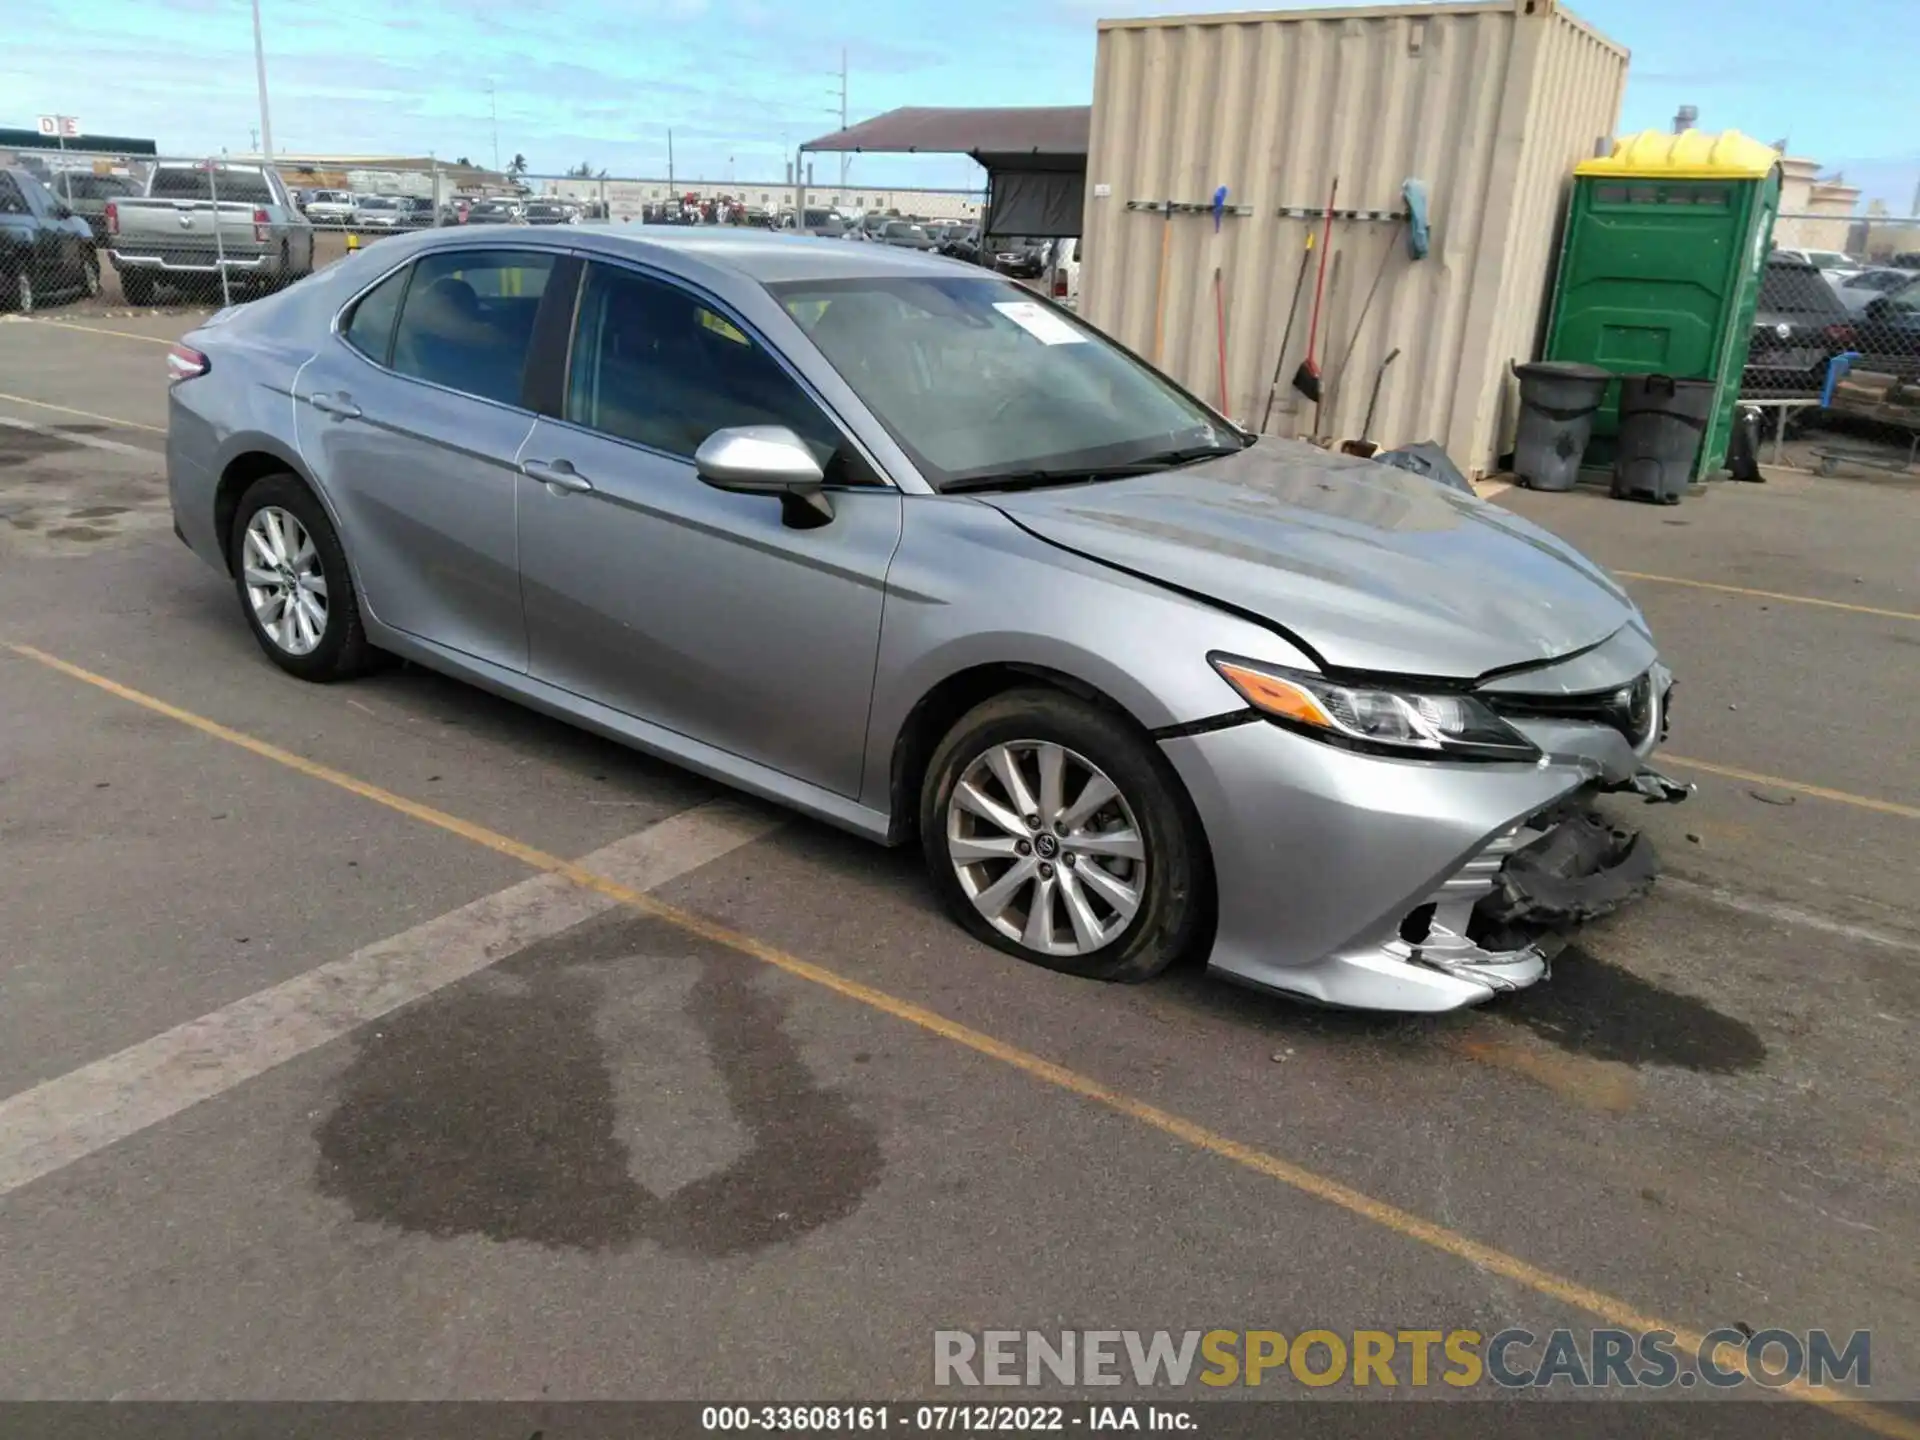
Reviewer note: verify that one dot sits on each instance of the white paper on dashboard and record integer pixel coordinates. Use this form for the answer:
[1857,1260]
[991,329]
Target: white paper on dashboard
[1040,322]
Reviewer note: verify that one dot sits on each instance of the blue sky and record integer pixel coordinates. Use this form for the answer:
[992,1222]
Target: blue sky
[740,81]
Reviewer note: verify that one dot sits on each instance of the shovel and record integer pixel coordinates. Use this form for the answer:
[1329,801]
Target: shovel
[1363,447]
[1307,378]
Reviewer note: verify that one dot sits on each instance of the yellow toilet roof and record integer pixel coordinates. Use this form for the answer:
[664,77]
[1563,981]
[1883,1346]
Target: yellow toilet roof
[1690,155]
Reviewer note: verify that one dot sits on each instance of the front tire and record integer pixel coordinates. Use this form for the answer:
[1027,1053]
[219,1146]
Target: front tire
[294,586]
[1054,831]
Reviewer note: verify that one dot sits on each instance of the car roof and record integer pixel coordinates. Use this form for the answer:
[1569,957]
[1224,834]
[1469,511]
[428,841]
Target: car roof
[764,256]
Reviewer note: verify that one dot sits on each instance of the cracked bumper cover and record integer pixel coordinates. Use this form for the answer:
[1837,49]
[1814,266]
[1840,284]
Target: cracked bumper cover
[1374,883]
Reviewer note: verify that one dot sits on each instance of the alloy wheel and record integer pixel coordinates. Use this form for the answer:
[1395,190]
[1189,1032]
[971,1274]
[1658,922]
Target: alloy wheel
[286,585]
[1046,847]
[23,293]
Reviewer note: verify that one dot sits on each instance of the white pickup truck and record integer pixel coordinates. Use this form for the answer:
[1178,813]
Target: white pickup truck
[198,220]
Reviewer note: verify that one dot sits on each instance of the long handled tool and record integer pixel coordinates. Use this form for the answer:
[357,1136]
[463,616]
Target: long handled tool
[1364,447]
[1160,288]
[1307,378]
[1286,336]
[1220,327]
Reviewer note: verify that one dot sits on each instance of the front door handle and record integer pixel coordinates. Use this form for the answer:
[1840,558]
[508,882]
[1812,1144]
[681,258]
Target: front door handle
[341,405]
[557,475]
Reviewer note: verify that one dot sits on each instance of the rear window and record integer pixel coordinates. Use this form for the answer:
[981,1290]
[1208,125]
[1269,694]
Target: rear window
[199,183]
[1789,289]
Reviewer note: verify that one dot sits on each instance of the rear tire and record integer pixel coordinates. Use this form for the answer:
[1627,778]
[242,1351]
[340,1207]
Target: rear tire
[90,276]
[294,585]
[136,288]
[1119,888]
[20,290]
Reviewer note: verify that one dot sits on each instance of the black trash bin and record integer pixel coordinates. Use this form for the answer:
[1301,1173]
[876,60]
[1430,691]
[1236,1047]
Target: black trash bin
[1662,421]
[1558,400]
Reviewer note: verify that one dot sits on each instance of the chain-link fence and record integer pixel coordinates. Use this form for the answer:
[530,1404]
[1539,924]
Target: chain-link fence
[200,231]
[1833,361]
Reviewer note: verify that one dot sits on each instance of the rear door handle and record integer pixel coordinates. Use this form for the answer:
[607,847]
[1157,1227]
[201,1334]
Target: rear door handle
[558,476]
[340,405]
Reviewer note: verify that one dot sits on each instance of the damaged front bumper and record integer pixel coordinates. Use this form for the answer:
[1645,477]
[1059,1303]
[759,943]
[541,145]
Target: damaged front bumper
[1374,883]
[1498,921]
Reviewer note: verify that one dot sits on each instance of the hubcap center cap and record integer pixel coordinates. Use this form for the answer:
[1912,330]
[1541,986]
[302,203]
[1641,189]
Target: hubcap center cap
[1045,846]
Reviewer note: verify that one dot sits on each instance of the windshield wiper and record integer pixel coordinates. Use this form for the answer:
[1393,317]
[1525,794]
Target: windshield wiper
[1035,479]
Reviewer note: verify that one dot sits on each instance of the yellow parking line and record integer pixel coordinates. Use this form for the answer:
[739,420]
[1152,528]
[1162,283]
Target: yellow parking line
[99,330]
[87,414]
[1768,595]
[1403,1223]
[1819,792]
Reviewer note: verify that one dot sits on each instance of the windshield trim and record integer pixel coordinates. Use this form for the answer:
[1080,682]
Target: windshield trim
[936,477]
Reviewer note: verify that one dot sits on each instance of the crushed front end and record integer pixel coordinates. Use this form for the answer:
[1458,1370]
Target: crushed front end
[1369,881]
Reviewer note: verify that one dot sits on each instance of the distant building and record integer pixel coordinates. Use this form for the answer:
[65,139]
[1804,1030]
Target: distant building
[626,199]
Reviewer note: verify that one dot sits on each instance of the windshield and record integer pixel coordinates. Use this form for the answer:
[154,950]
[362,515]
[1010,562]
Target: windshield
[1789,289]
[377,202]
[974,378]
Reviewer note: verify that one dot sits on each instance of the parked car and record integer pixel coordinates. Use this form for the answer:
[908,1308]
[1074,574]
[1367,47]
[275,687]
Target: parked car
[45,249]
[551,212]
[824,223]
[330,207]
[1019,256]
[380,212]
[1799,325]
[1887,333]
[1063,271]
[495,212]
[1861,288]
[1139,681]
[86,195]
[905,236]
[1827,261]
[168,235]
[965,246]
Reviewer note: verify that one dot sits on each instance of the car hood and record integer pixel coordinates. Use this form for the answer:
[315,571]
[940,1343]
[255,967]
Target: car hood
[1370,567]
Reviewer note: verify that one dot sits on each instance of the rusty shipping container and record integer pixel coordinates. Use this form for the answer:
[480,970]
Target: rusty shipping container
[1491,105]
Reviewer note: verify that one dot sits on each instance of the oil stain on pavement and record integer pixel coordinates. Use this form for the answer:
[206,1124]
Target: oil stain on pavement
[1606,1012]
[490,1110]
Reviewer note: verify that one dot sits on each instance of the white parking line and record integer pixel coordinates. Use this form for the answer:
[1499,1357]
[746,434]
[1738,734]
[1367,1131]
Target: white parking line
[92,442]
[69,1118]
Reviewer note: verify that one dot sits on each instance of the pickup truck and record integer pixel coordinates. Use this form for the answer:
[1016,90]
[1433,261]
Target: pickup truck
[198,220]
[44,246]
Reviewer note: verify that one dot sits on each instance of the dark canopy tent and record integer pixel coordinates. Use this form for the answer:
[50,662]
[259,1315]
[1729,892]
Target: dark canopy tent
[1035,157]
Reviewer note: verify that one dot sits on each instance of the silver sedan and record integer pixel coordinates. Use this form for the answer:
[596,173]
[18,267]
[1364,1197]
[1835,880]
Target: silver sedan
[895,542]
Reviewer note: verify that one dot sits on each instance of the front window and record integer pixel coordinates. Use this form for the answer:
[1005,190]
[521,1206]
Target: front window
[981,383]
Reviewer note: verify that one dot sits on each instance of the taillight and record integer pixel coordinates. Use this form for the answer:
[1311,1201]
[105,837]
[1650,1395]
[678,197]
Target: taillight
[262,227]
[1059,284]
[186,363]
[113,218]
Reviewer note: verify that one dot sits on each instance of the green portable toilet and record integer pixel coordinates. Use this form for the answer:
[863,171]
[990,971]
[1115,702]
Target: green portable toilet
[1660,268]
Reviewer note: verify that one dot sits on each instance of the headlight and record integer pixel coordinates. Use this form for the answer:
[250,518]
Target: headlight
[1390,722]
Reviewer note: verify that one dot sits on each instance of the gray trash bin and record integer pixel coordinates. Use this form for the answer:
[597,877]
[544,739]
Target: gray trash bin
[1662,422]
[1558,400]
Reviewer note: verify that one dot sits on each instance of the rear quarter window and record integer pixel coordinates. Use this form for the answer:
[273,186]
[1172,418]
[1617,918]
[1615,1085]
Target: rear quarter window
[369,325]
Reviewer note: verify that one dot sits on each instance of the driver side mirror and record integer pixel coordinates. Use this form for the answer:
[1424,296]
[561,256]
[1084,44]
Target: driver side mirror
[766,460]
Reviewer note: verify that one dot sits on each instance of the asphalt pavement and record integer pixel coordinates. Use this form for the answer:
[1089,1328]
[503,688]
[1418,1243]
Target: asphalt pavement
[387,1041]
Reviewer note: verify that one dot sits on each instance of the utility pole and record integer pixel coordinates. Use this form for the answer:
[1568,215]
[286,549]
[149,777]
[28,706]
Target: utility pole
[493,109]
[670,190]
[260,73]
[844,157]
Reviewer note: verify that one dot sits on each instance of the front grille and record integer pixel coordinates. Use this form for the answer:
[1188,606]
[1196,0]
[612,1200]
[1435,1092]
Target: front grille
[1628,708]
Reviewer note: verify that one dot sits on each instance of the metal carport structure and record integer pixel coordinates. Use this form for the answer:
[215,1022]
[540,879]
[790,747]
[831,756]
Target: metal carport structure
[1035,157]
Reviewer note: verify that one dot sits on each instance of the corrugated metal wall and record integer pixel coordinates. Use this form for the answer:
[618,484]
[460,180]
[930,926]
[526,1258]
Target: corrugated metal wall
[1490,104]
